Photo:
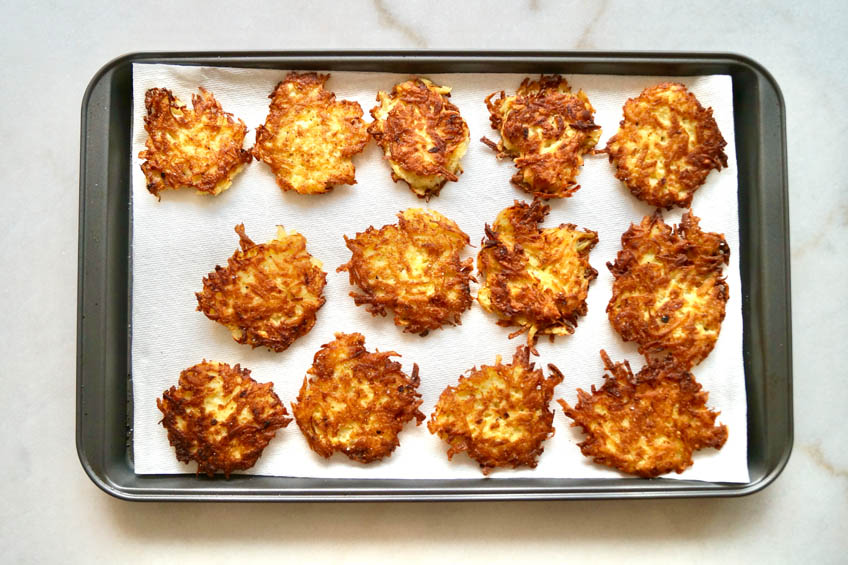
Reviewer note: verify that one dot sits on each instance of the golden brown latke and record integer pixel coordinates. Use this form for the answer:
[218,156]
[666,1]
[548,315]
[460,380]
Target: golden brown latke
[666,146]
[646,425]
[499,413]
[414,268]
[356,402]
[309,138]
[199,148]
[421,133]
[268,294]
[220,417]
[669,295]
[547,130]
[534,278]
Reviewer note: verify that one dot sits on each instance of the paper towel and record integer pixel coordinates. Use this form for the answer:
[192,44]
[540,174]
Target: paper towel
[178,240]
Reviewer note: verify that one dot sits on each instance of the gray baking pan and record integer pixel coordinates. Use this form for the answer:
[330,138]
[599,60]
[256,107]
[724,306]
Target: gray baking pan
[104,402]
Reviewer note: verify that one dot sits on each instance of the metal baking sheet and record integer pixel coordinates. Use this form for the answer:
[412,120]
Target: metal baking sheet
[104,406]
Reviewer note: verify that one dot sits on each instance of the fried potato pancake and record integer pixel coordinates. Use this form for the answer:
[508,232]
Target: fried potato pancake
[669,294]
[421,133]
[648,424]
[356,402]
[666,146]
[309,138]
[199,148]
[534,278]
[268,294]
[546,129]
[414,268]
[220,417]
[498,414]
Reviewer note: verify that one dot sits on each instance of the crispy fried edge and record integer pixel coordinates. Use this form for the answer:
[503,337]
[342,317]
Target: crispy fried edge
[217,280]
[460,442]
[620,383]
[326,98]
[538,90]
[707,155]
[510,262]
[173,405]
[387,133]
[685,355]
[437,316]
[157,178]
[380,367]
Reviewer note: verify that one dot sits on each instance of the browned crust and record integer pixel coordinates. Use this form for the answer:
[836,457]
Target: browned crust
[310,160]
[278,290]
[233,444]
[540,113]
[648,424]
[685,259]
[344,373]
[476,419]
[503,263]
[394,285]
[420,107]
[686,162]
[169,165]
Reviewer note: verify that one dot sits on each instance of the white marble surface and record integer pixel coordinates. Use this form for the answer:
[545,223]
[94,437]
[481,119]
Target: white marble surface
[52,513]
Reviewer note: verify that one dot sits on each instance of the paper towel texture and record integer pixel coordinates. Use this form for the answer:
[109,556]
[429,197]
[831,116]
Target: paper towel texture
[178,240]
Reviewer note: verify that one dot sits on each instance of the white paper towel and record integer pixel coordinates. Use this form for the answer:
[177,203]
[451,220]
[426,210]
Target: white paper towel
[178,240]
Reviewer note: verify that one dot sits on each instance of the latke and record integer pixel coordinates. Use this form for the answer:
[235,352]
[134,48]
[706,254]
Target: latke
[646,425]
[199,148]
[498,414]
[356,402]
[666,146]
[535,278]
[421,133]
[220,417]
[546,129]
[309,138]
[414,268]
[268,294]
[669,294]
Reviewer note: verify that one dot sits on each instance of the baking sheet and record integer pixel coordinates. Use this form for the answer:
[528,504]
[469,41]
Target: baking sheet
[180,239]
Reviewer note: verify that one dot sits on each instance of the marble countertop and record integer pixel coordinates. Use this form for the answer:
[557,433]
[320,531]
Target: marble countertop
[52,512]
